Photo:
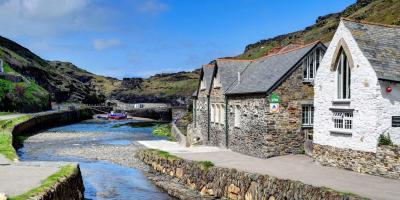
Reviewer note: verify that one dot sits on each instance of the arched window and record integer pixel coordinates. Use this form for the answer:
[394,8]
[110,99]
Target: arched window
[343,76]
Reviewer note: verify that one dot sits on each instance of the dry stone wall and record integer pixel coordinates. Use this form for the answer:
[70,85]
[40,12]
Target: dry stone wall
[217,182]
[385,162]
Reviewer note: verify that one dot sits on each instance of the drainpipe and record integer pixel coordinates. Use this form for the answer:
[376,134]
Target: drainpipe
[208,118]
[226,123]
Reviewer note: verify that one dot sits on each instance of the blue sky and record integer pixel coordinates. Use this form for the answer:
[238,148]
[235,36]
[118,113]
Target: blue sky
[138,38]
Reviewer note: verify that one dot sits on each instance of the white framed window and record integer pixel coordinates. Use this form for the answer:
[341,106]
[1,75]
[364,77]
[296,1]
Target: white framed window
[311,64]
[307,113]
[342,120]
[238,115]
[218,113]
[343,77]
[212,112]
[222,114]
[202,85]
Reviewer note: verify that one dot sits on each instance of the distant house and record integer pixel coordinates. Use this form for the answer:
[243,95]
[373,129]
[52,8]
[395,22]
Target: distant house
[357,99]
[260,107]
[1,66]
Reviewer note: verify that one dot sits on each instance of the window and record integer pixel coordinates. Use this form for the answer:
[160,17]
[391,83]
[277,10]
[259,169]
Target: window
[343,120]
[218,113]
[222,114]
[311,65]
[238,114]
[212,112]
[202,85]
[307,115]
[343,77]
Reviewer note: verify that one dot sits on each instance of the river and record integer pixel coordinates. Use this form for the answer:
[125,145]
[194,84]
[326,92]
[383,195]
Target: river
[105,151]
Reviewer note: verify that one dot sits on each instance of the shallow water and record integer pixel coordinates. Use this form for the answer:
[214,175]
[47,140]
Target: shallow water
[103,180]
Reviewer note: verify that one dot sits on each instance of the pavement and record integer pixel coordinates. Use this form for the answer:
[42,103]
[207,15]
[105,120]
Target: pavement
[19,177]
[294,167]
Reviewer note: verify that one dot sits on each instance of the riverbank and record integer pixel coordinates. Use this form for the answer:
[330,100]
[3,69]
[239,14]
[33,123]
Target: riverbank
[46,180]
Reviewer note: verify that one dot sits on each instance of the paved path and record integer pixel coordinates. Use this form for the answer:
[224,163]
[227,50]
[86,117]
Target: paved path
[20,177]
[294,167]
[10,116]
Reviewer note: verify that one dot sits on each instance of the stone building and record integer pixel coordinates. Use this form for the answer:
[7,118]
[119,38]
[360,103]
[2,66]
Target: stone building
[240,94]
[357,99]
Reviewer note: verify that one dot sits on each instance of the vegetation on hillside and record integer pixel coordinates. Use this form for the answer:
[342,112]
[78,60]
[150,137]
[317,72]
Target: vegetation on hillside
[23,95]
[164,130]
[379,11]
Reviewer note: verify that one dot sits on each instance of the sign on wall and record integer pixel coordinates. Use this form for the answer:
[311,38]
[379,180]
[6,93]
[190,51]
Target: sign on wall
[274,103]
[274,107]
[395,121]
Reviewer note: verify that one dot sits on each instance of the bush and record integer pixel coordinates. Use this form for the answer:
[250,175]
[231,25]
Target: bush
[385,140]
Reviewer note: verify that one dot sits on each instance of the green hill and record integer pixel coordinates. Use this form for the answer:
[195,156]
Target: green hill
[379,11]
[20,94]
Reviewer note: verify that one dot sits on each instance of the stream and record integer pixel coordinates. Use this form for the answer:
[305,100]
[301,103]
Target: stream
[105,151]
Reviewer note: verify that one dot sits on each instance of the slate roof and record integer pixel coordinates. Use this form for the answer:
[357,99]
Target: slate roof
[262,74]
[207,76]
[380,44]
[228,70]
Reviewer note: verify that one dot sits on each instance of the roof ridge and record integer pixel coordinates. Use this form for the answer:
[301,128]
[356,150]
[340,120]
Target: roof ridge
[269,55]
[290,50]
[369,23]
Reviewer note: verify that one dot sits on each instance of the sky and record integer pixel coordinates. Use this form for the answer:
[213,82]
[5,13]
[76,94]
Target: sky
[139,38]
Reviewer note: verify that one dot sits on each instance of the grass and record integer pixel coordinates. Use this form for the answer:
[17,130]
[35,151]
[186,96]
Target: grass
[65,171]
[205,165]
[163,154]
[6,147]
[164,130]
[6,113]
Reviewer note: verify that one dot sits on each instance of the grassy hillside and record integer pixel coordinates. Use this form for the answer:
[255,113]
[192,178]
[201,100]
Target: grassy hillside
[62,86]
[172,88]
[18,93]
[379,11]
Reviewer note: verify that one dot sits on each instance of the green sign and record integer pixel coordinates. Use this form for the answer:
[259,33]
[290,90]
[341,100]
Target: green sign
[274,98]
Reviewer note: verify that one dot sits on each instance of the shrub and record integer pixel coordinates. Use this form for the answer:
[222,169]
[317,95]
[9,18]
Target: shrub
[385,140]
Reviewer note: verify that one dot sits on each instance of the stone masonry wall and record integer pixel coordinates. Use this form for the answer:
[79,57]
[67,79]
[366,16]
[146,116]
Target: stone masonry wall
[385,162]
[272,134]
[217,130]
[48,120]
[200,128]
[251,137]
[228,183]
[66,188]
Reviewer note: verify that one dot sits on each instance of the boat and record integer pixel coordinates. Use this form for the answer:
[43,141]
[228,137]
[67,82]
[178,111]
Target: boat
[117,116]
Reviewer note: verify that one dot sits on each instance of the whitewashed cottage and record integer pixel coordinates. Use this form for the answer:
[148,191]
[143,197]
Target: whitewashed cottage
[357,99]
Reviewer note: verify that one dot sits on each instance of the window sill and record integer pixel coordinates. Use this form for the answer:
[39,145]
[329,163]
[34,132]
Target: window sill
[309,81]
[307,126]
[337,132]
[341,101]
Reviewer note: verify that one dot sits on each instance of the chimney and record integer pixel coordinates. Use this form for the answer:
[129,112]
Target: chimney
[238,77]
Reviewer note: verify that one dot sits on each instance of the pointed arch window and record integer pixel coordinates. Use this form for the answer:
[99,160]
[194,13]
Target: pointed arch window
[343,76]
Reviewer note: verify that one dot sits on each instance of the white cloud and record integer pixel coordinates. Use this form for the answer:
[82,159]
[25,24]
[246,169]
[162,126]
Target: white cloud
[43,18]
[152,7]
[102,44]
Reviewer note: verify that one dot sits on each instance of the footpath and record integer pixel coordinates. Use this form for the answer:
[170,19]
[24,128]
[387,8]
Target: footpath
[294,167]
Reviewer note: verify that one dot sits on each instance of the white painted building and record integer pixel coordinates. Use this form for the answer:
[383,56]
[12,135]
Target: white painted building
[357,87]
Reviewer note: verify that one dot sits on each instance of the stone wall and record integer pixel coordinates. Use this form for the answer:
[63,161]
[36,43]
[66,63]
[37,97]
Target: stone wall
[199,130]
[220,182]
[48,120]
[67,188]
[251,137]
[217,130]
[161,114]
[385,162]
[265,134]
[180,138]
